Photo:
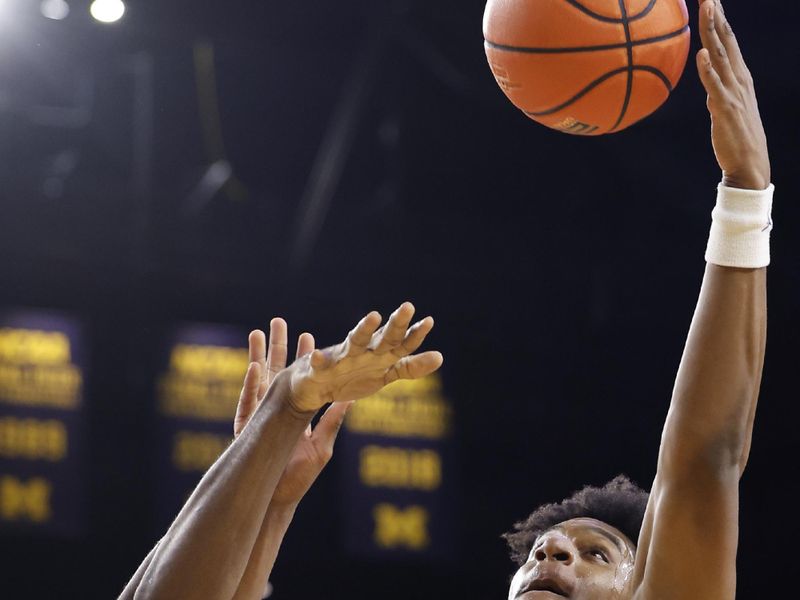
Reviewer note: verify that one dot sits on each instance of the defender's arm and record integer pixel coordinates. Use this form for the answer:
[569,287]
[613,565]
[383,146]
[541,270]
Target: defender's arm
[206,550]
[313,451]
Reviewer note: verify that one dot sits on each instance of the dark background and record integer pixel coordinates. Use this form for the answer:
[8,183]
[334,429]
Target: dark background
[562,271]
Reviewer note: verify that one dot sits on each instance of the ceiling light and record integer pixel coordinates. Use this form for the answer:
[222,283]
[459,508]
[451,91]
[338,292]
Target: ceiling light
[107,11]
[54,9]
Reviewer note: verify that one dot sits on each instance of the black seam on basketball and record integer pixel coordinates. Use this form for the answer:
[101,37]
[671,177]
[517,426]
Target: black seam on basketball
[629,85]
[597,82]
[605,19]
[567,50]
[645,11]
[579,95]
[657,72]
[591,13]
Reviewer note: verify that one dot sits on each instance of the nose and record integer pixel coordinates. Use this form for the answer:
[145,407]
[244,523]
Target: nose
[555,547]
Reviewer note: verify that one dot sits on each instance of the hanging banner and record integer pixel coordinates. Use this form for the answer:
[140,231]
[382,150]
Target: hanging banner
[197,391]
[396,455]
[42,370]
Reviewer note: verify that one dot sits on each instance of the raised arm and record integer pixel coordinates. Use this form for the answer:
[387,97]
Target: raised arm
[687,548]
[312,452]
[205,552]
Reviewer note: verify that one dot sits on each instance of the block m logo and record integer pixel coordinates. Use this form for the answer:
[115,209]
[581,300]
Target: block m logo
[395,527]
[20,500]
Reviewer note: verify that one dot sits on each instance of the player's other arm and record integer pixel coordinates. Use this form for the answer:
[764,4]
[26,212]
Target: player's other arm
[392,347]
[207,549]
[308,458]
[689,537]
[312,452]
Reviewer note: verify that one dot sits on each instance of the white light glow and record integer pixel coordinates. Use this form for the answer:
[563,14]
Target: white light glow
[55,9]
[107,11]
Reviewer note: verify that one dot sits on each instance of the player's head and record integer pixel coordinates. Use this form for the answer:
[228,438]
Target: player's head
[582,548]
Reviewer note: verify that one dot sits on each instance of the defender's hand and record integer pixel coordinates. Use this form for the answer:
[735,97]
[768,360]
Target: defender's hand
[315,448]
[264,366]
[365,362]
[736,130]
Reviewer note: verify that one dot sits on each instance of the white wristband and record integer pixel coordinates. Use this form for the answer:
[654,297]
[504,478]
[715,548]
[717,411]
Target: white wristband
[740,226]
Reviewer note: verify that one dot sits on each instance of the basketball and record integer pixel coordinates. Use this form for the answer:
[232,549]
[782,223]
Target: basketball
[586,67]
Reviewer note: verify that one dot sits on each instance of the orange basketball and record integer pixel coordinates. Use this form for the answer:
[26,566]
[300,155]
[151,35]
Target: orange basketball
[586,67]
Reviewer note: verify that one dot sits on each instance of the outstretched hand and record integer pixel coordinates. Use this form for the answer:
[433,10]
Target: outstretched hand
[265,364]
[736,129]
[315,447]
[366,361]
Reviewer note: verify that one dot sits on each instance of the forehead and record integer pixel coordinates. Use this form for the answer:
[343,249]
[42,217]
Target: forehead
[589,525]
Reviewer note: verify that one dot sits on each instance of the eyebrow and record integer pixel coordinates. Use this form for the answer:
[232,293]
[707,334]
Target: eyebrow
[606,534]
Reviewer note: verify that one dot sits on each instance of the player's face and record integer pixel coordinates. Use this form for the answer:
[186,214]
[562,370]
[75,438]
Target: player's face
[579,559]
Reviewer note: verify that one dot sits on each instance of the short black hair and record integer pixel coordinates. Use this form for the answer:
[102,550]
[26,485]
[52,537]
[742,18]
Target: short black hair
[619,503]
